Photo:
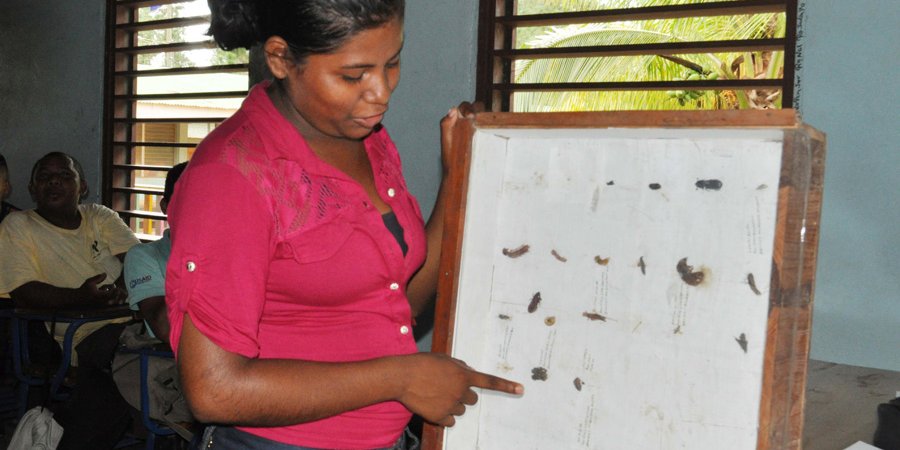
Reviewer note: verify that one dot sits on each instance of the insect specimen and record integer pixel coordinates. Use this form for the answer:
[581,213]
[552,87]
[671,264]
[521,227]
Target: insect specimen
[752,282]
[550,320]
[610,183]
[710,185]
[539,373]
[535,301]
[558,257]
[742,341]
[655,186]
[601,261]
[594,316]
[503,317]
[516,252]
[578,383]
[687,273]
[642,265]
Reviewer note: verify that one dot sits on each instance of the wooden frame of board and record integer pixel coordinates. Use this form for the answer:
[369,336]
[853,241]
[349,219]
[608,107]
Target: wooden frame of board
[576,176]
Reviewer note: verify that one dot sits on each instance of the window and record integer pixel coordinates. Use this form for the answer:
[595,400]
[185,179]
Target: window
[167,86]
[595,55]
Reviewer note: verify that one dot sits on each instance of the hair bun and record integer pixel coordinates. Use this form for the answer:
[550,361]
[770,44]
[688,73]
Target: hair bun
[234,23]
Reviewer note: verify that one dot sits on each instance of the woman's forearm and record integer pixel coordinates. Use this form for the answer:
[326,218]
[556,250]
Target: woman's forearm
[223,387]
[226,388]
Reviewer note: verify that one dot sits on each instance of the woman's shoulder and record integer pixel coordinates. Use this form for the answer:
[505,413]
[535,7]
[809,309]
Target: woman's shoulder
[247,133]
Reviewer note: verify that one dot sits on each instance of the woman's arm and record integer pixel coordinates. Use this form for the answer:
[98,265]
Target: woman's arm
[227,388]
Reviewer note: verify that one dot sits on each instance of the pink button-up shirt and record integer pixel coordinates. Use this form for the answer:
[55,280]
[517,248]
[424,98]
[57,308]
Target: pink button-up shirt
[277,254]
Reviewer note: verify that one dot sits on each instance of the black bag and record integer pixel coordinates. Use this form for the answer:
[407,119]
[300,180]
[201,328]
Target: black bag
[887,435]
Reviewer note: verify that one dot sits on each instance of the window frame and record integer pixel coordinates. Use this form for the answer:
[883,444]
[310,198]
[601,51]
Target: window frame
[497,24]
[120,100]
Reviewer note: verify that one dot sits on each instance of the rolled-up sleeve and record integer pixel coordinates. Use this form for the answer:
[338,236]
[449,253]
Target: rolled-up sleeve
[221,228]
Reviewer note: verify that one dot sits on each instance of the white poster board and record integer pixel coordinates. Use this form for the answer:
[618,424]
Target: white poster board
[621,275]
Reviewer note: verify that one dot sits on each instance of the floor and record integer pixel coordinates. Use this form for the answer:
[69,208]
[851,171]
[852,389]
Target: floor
[841,402]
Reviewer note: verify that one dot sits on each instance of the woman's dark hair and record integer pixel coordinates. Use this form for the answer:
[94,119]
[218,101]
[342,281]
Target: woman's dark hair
[308,26]
[75,164]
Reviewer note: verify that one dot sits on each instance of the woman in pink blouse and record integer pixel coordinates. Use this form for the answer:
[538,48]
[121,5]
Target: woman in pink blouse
[299,256]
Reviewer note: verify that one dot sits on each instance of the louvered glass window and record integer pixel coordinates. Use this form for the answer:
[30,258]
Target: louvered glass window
[167,87]
[602,55]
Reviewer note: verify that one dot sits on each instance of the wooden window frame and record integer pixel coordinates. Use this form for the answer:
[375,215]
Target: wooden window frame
[497,24]
[120,99]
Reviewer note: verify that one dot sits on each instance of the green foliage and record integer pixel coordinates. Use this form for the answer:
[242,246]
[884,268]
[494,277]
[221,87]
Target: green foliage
[236,56]
[163,36]
[645,67]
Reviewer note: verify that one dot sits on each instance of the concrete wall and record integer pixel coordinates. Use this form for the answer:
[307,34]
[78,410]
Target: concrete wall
[51,57]
[51,86]
[848,80]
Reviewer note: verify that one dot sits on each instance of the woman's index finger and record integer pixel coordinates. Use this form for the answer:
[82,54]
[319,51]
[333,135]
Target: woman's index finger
[495,383]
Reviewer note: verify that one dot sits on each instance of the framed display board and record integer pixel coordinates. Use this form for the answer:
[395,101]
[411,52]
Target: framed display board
[648,276]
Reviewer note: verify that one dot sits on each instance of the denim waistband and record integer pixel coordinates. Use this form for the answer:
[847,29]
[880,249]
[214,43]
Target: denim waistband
[230,438]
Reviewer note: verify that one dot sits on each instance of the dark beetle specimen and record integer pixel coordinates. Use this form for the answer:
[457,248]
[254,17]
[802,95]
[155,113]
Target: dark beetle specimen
[655,186]
[687,273]
[742,341]
[535,301]
[642,265]
[710,185]
[559,257]
[539,373]
[601,261]
[578,383]
[610,183]
[516,252]
[503,316]
[752,282]
[594,316]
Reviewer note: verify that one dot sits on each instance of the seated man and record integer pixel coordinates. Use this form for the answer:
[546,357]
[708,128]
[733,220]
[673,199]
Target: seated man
[145,277]
[145,271]
[5,190]
[64,255]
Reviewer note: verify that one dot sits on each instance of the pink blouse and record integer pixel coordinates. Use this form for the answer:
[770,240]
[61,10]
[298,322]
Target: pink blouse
[277,254]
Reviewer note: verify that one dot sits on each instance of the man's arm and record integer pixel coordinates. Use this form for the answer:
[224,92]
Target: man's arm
[36,294]
[154,311]
[146,286]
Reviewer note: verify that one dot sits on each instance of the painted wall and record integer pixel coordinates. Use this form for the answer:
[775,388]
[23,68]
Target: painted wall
[51,55]
[51,86]
[848,80]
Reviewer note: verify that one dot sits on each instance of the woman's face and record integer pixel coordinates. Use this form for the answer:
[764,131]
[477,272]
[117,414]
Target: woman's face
[345,94]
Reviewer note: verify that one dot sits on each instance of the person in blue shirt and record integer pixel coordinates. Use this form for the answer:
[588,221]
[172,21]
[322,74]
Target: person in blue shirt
[145,271]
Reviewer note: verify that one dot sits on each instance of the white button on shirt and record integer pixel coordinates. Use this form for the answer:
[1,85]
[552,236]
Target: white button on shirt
[191,266]
[404,329]
[395,286]
[391,192]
